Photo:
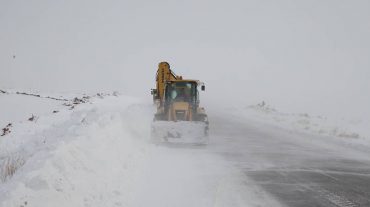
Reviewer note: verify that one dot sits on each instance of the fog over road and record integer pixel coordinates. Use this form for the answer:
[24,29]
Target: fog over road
[296,169]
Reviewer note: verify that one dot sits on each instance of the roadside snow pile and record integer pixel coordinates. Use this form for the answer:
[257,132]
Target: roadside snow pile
[80,156]
[304,122]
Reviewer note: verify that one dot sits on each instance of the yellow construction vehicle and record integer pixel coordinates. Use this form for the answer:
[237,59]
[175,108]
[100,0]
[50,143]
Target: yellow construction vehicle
[178,118]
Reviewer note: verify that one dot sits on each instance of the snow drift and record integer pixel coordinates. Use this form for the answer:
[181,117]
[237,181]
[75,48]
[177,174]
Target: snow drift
[64,157]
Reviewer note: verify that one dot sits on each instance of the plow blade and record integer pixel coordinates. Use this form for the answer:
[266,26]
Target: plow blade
[195,132]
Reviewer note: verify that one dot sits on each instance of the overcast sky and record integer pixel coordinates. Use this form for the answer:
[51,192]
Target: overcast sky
[299,56]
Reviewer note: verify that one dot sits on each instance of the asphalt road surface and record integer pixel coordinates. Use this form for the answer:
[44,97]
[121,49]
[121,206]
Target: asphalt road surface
[295,168]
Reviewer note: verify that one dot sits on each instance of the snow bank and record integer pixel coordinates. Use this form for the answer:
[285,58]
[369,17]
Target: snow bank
[342,128]
[73,157]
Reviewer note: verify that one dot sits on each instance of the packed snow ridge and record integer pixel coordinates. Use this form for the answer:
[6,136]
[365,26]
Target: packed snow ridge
[65,147]
[20,134]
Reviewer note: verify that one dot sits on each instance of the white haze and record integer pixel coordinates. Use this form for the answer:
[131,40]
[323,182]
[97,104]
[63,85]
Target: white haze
[299,56]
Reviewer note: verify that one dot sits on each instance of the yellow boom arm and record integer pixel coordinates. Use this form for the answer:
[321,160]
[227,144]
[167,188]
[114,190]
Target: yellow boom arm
[164,73]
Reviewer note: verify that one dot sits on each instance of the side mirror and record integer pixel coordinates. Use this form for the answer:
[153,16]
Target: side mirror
[203,88]
[153,92]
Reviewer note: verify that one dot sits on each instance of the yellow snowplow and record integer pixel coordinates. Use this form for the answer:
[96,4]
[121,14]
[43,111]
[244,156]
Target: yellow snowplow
[178,118]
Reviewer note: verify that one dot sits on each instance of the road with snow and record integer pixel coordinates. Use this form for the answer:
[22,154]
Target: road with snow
[97,152]
[296,169]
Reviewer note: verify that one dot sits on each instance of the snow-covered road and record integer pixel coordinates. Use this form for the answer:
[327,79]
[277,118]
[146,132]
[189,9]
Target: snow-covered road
[99,154]
[295,168]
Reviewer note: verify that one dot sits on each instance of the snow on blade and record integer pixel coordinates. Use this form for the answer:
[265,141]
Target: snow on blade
[180,131]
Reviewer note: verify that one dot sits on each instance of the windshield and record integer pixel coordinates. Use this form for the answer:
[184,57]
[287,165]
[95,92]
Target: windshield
[181,91]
